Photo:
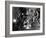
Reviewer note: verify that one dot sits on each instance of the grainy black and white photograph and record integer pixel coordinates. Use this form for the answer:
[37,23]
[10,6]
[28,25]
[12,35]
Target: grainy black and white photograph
[24,18]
